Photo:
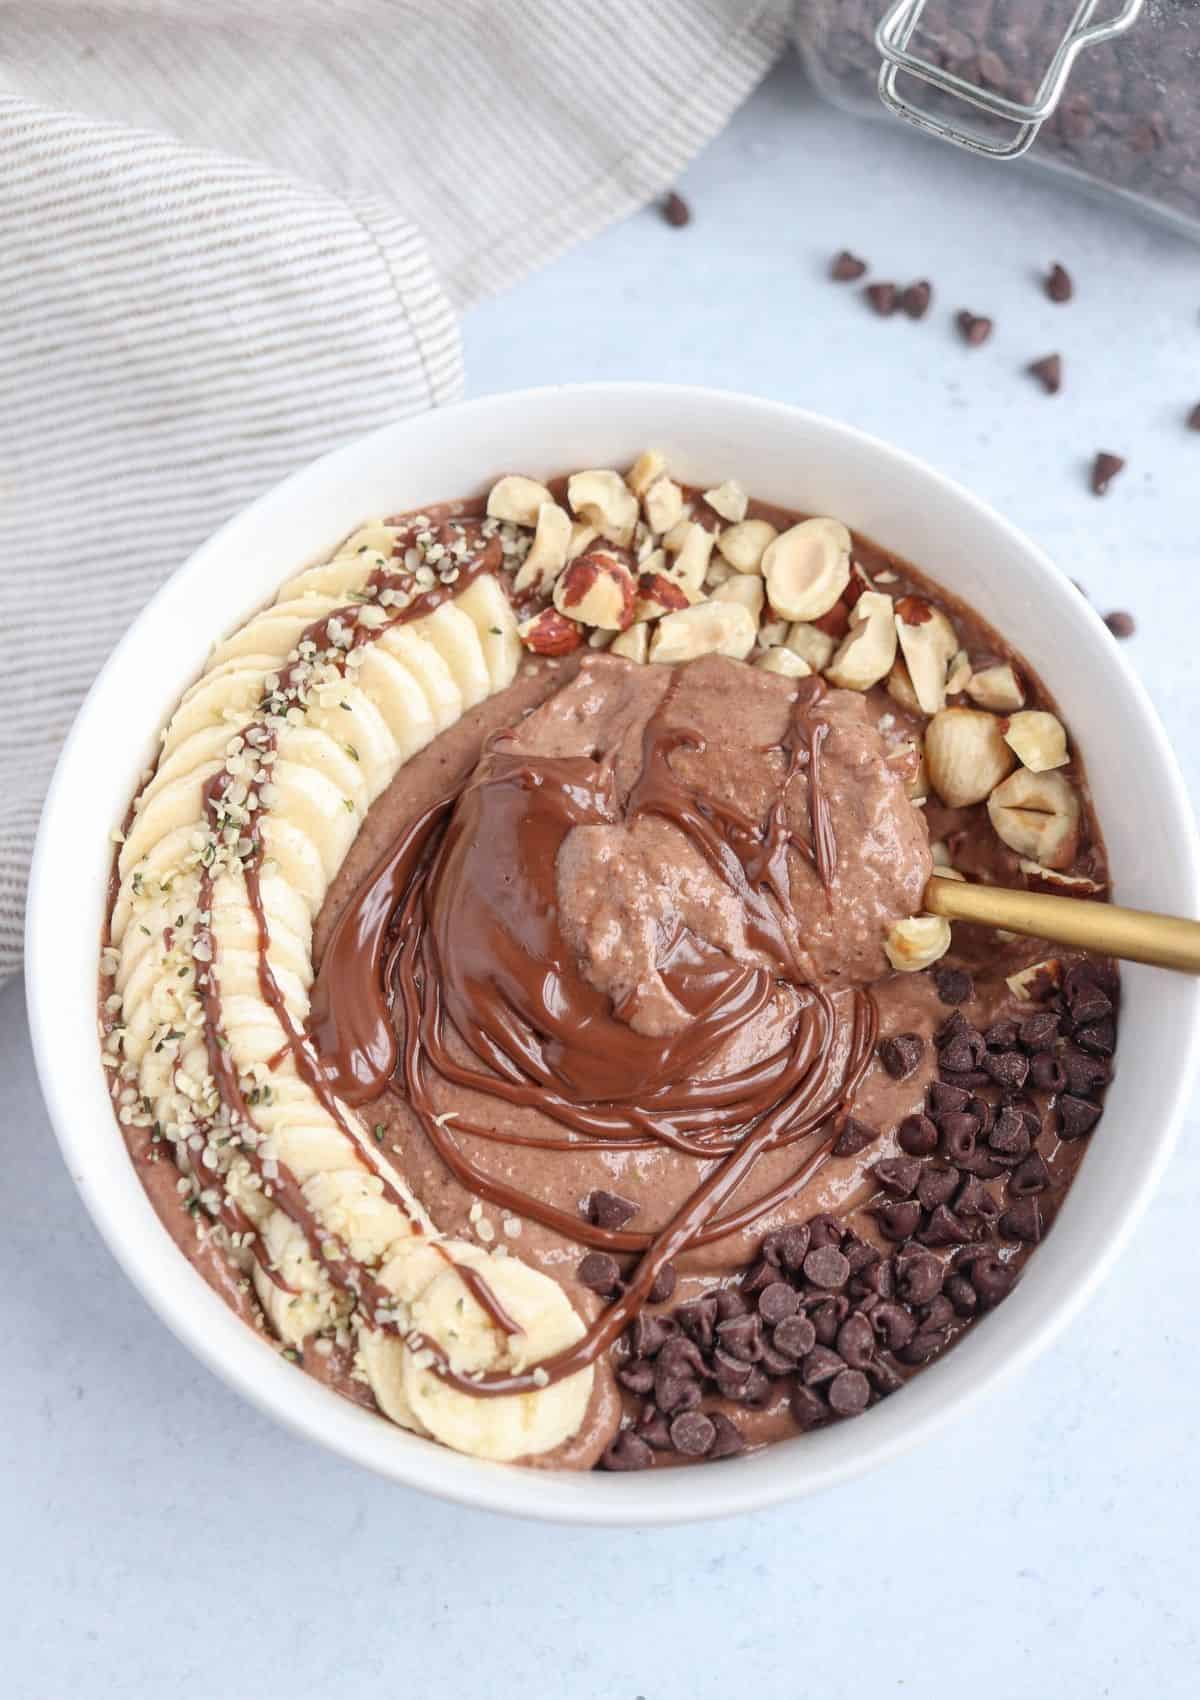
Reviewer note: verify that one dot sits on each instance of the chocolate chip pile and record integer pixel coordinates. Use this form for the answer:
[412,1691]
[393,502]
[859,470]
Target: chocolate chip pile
[834,1322]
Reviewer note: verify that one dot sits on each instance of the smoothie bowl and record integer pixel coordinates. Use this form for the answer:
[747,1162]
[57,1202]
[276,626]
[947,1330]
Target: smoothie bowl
[493,866]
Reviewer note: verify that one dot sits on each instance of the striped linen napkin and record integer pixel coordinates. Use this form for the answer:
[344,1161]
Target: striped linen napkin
[235,235]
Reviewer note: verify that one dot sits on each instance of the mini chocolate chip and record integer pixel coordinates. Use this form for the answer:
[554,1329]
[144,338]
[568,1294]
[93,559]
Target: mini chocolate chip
[954,985]
[1023,1221]
[650,1334]
[991,1278]
[961,1294]
[1039,1032]
[849,1393]
[730,1303]
[727,1437]
[1007,1068]
[775,1363]
[882,298]
[692,1434]
[856,1341]
[858,1253]
[1058,284]
[760,1276]
[675,210]
[728,1370]
[820,1365]
[663,1285]
[795,1336]
[918,1276]
[1048,372]
[1031,1177]
[777,1302]
[824,1230]
[917,1135]
[1046,1073]
[1120,623]
[938,1313]
[1001,1035]
[755,1390]
[897,1221]
[936,1186]
[673,1393]
[788,1247]
[885,1377]
[609,1209]
[1100,1038]
[946,1100]
[894,1325]
[916,298]
[951,1028]
[973,328]
[638,1376]
[880,1278]
[1010,1136]
[944,1228]
[1085,1075]
[627,1451]
[923,1346]
[972,1078]
[901,1054]
[741,1337]
[854,1137]
[809,1410]
[958,1136]
[986,1164]
[827,1317]
[653,1428]
[827,1267]
[898,1175]
[600,1273]
[846,267]
[1105,468]
[698,1318]
[681,1356]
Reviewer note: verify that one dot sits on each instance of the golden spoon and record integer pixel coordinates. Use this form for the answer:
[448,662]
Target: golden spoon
[1135,935]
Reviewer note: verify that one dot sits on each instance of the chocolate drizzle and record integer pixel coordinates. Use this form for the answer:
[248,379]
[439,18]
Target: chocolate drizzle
[456,931]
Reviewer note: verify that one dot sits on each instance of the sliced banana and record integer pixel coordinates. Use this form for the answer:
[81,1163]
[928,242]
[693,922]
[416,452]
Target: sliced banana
[399,698]
[314,1303]
[430,671]
[485,603]
[452,633]
[223,698]
[278,630]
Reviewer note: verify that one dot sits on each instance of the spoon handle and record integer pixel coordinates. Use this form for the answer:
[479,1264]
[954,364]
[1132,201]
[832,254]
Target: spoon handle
[1135,935]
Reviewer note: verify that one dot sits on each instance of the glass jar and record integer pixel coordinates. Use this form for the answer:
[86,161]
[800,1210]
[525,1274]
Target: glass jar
[1107,91]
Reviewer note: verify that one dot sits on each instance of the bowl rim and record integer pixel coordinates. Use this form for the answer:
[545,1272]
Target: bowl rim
[213,1332]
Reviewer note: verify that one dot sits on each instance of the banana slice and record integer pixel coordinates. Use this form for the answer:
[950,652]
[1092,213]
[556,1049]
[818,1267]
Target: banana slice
[350,1203]
[485,603]
[429,670]
[315,1303]
[251,1028]
[311,746]
[222,698]
[516,1425]
[235,928]
[297,860]
[399,698]
[452,633]
[164,869]
[180,803]
[277,631]
[208,745]
[352,720]
[307,1147]
[307,800]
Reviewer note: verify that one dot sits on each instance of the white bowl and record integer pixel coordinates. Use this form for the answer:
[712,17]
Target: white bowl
[782,455]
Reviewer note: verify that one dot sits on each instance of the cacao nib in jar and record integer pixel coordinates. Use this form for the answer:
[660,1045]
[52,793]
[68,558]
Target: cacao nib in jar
[1129,117]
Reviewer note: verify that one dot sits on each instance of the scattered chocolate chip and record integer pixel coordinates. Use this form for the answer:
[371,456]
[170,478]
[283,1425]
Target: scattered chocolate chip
[600,1273]
[788,1248]
[983,1112]
[959,1133]
[880,1279]
[938,1313]
[918,1276]
[1120,624]
[638,1376]
[954,985]
[1076,1116]
[846,267]
[827,1317]
[893,1324]
[824,1230]
[901,1054]
[944,1228]
[653,1428]
[730,1303]
[809,1410]
[936,1186]
[729,1371]
[1001,1035]
[1007,1068]
[1039,1032]
[692,1433]
[849,1393]
[795,1336]
[741,1337]
[973,328]
[676,210]
[1046,1073]
[963,1052]
[1010,1136]
[609,1210]
[858,1253]
[961,1294]
[951,1028]
[923,1346]
[991,1278]
[885,1377]
[759,1277]
[1032,1176]
[775,1363]
[1023,1221]
[1085,1074]
[971,1196]
[698,1319]
[827,1267]
[777,1302]
[820,1365]
[854,1137]
[675,1393]
[627,1451]
[1105,468]
[1058,285]
[650,1334]
[897,1175]
[945,1099]
[856,1342]
[1100,1039]
[1048,372]
[681,1356]
[917,1135]
[882,297]
[755,1390]
[916,297]
[663,1285]
[727,1439]
[897,1221]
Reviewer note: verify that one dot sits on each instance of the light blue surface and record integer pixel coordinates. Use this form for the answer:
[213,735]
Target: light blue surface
[163,1539]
